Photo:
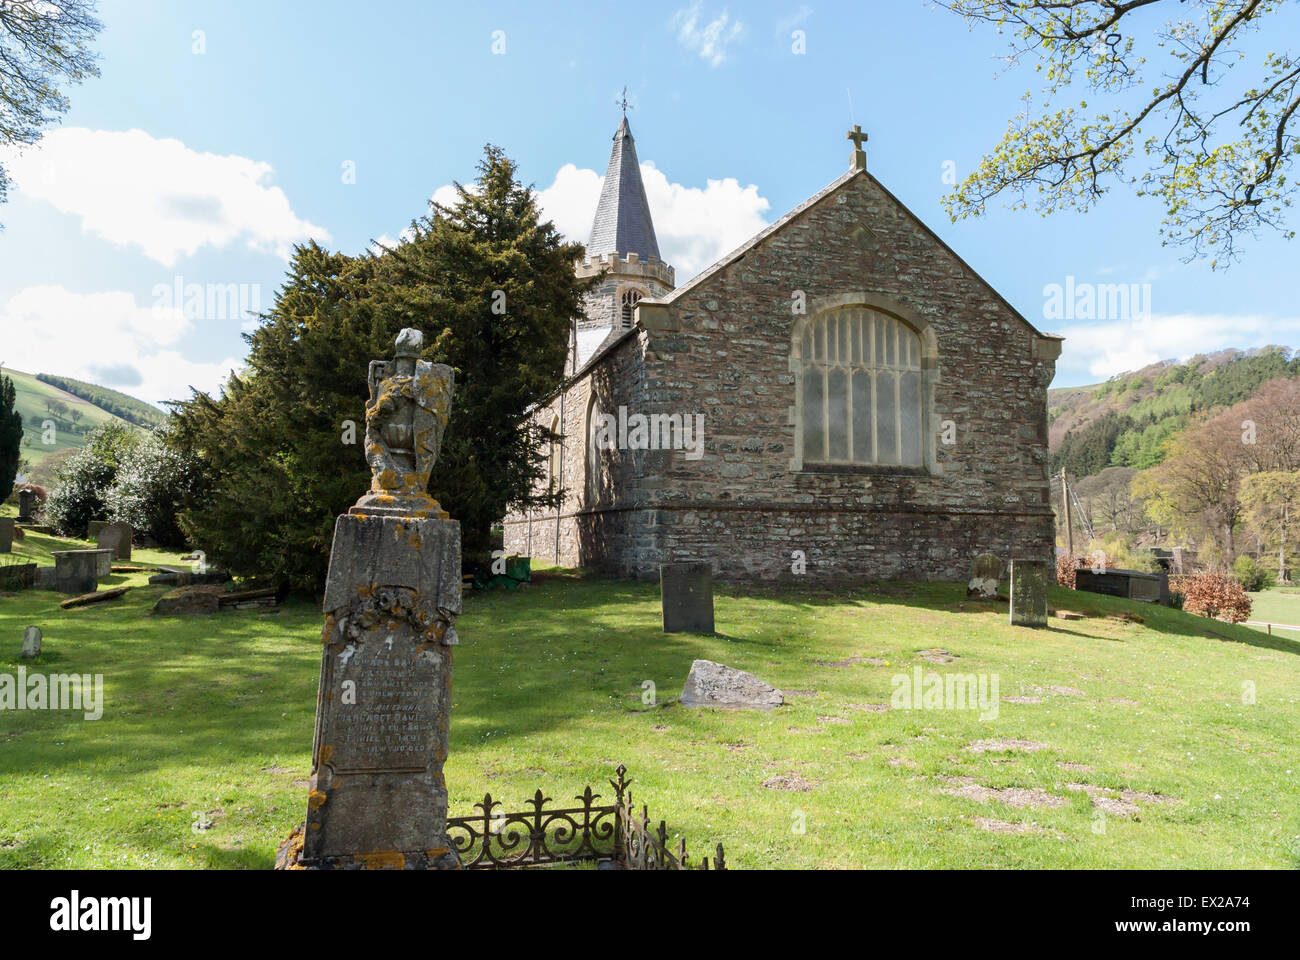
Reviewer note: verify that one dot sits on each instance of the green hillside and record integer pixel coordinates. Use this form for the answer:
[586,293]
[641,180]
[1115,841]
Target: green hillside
[115,402]
[1127,421]
[74,418]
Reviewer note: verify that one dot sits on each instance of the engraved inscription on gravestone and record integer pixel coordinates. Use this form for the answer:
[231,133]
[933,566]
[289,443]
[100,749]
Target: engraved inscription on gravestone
[393,723]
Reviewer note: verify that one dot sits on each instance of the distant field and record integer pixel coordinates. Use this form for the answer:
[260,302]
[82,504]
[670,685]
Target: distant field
[1279,605]
[32,396]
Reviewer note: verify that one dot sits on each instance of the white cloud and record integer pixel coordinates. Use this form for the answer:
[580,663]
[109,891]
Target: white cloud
[695,225]
[710,40]
[159,195]
[101,337]
[570,201]
[698,226]
[1105,349]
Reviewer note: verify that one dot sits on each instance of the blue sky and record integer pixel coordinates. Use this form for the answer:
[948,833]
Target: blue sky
[200,158]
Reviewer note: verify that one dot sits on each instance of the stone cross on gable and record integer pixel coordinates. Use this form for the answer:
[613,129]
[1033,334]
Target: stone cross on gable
[859,155]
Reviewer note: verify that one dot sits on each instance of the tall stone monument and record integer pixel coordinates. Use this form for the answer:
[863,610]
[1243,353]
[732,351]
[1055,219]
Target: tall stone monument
[392,595]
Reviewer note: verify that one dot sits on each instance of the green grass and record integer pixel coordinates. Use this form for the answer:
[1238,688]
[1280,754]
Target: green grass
[39,548]
[212,718]
[1278,605]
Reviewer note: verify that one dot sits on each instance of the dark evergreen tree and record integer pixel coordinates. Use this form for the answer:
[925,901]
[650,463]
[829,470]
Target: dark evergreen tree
[11,436]
[494,291]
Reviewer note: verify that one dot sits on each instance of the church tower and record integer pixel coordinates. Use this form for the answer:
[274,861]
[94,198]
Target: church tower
[623,249]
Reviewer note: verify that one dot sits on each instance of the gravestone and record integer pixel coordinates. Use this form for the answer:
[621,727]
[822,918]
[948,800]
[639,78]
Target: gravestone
[392,594]
[6,534]
[76,571]
[93,528]
[1029,580]
[115,537]
[686,596]
[19,576]
[31,643]
[26,506]
[985,572]
[711,684]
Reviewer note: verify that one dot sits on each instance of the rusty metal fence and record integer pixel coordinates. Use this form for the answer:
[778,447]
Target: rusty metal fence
[608,835]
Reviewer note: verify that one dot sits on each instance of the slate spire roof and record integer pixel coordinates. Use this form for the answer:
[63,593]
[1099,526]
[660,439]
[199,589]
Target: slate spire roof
[622,224]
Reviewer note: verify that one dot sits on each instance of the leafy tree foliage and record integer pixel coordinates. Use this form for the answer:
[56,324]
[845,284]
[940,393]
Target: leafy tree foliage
[1217,128]
[1251,574]
[1197,491]
[1139,435]
[1212,595]
[152,480]
[1272,502]
[83,483]
[42,43]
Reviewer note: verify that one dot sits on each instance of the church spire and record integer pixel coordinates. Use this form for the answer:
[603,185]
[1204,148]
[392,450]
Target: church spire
[622,224]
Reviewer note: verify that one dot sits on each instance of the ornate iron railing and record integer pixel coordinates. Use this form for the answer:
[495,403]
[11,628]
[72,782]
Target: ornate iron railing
[611,834]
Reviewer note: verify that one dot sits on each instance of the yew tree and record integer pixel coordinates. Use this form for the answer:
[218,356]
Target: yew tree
[492,287]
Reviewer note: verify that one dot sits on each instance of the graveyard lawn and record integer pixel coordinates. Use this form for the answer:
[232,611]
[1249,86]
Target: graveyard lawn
[1177,734]
[1278,605]
[39,548]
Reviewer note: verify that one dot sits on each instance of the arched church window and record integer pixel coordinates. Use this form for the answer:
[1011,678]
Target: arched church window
[557,446]
[861,390]
[629,301]
[592,465]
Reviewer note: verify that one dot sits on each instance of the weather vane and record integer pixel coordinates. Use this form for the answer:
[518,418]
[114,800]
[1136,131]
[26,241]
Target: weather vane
[623,102]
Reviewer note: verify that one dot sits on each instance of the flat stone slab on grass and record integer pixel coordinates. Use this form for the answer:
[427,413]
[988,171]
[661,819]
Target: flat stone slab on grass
[790,781]
[999,745]
[187,601]
[711,684]
[969,789]
[86,599]
[850,661]
[180,577]
[1002,826]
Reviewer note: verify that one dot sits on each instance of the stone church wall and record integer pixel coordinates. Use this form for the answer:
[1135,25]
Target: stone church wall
[722,348]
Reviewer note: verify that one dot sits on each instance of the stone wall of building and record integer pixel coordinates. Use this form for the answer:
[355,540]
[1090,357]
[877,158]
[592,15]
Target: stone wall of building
[721,347]
[618,381]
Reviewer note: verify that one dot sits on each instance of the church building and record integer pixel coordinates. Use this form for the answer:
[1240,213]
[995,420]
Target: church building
[840,398]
